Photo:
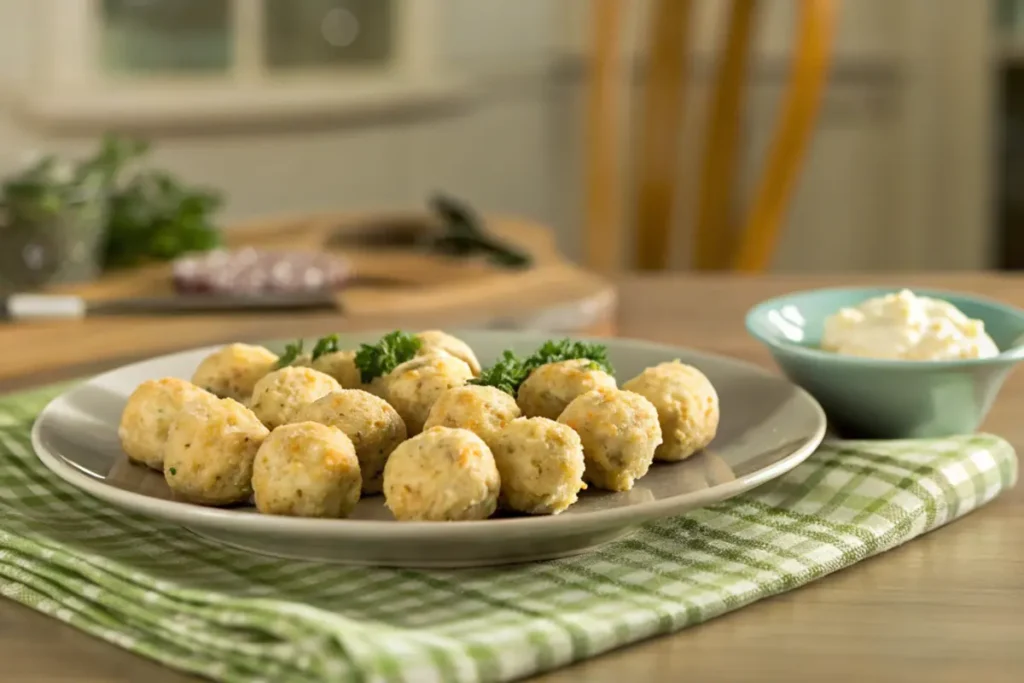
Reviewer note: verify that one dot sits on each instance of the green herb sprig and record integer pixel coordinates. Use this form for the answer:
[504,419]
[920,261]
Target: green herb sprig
[506,374]
[393,349]
[325,345]
[292,352]
[151,215]
[510,371]
[556,351]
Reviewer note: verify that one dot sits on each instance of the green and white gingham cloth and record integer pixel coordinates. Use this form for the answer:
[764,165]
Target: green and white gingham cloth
[161,592]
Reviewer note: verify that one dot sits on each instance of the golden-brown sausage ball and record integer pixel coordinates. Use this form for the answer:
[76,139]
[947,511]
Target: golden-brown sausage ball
[619,431]
[414,386]
[541,465]
[687,406]
[210,450]
[374,427]
[442,475]
[482,410]
[307,469]
[147,417]
[341,365]
[436,340]
[552,387]
[279,396]
[232,372]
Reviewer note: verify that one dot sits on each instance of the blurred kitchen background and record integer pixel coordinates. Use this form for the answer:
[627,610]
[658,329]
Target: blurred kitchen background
[297,105]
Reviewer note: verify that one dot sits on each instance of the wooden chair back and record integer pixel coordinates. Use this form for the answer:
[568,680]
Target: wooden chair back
[721,241]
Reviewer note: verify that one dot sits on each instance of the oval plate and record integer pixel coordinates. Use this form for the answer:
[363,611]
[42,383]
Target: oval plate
[768,427]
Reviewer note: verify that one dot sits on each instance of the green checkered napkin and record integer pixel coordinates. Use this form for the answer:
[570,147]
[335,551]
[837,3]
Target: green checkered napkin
[161,592]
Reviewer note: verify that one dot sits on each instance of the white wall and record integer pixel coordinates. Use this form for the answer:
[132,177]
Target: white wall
[517,148]
[491,153]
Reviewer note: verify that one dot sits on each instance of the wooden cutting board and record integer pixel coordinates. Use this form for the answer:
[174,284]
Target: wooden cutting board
[395,287]
[396,281]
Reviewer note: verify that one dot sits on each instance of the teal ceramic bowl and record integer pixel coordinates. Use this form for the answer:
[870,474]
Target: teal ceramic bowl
[888,399]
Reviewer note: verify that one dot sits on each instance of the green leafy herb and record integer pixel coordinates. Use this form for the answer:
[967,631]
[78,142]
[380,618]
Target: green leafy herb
[291,354]
[150,214]
[506,374]
[325,345]
[393,349]
[109,162]
[555,351]
[510,371]
[156,218]
[174,471]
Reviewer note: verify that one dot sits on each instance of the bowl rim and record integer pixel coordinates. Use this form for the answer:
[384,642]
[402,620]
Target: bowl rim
[1011,355]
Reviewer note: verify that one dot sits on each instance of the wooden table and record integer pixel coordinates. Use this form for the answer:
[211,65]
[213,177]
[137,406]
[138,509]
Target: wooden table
[946,607]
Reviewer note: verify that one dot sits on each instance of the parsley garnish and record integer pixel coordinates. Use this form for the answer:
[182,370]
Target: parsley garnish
[174,471]
[393,349]
[290,355]
[506,374]
[566,349]
[510,371]
[325,345]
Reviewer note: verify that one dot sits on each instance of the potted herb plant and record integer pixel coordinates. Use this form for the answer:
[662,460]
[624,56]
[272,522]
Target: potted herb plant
[52,223]
[63,221]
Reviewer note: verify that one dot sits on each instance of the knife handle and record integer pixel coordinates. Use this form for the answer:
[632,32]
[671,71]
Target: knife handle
[42,307]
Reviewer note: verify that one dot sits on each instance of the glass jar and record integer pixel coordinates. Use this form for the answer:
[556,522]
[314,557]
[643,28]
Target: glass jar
[41,246]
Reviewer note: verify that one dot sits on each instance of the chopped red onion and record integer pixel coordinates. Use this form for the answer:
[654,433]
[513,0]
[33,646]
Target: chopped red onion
[250,271]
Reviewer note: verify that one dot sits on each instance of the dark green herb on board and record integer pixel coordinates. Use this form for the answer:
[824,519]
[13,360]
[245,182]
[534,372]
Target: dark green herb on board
[465,235]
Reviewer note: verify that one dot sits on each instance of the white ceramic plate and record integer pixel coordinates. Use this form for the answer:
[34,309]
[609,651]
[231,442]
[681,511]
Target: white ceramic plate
[768,426]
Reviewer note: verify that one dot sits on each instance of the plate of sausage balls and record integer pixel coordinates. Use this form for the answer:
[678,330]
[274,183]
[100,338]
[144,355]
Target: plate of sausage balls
[426,448]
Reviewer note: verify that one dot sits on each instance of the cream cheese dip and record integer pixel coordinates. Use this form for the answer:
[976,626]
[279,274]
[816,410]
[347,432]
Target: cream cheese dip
[904,326]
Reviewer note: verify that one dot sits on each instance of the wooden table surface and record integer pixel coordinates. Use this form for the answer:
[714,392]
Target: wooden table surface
[946,607]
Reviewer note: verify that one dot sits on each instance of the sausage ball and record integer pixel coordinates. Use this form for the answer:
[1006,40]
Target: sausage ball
[687,406]
[482,410]
[442,475]
[303,360]
[232,372]
[374,427]
[619,431]
[541,466]
[436,340]
[341,365]
[279,396]
[307,469]
[414,386]
[550,388]
[148,415]
[210,451]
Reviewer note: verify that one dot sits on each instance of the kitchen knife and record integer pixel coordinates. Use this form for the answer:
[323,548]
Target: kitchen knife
[17,307]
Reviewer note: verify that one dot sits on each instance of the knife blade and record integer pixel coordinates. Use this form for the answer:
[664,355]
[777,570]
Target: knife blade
[17,307]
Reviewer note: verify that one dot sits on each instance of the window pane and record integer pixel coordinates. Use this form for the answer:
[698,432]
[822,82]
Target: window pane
[319,33]
[166,35]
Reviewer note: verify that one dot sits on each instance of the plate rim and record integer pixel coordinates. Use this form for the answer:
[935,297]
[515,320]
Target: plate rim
[188,515]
